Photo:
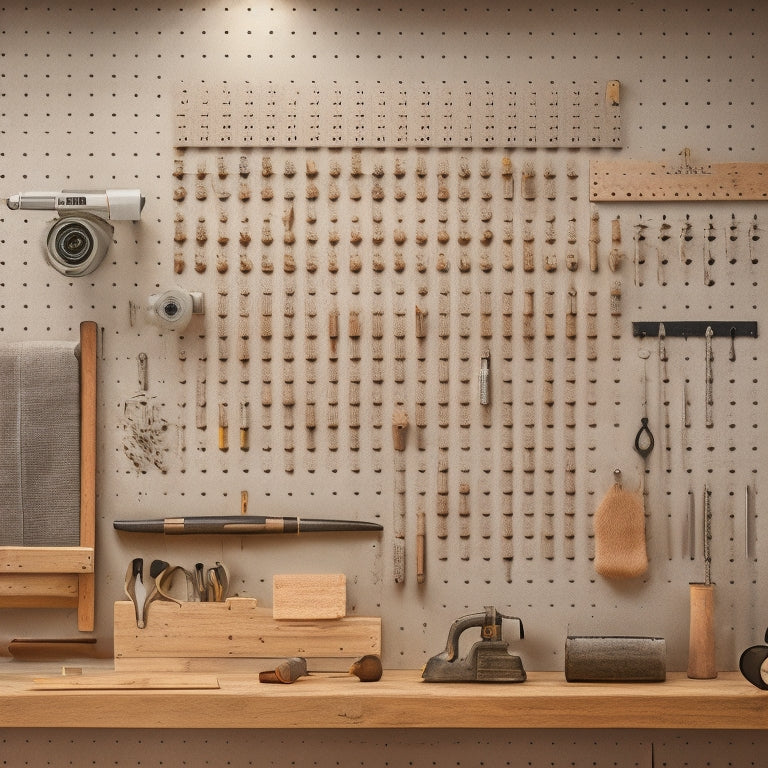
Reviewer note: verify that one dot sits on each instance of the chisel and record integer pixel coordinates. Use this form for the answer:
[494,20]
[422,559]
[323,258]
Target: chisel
[367,669]
[701,646]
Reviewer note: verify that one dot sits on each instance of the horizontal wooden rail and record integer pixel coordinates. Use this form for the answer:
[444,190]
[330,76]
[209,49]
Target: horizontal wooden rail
[46,559]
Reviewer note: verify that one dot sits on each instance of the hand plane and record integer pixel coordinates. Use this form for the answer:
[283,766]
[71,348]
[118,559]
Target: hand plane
[488,660]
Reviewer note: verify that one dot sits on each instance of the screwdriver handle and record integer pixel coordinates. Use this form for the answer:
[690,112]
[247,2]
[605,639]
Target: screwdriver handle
[701,645]
[367,668]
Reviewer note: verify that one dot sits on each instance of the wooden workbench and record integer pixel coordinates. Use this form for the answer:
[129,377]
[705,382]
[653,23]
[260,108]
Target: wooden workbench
[400,700]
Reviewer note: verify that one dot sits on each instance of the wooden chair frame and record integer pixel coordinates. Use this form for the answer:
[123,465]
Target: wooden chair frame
[63,577]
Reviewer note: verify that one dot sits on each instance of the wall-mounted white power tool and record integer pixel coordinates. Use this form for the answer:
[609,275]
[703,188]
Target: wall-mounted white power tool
[76,242]
[173,309]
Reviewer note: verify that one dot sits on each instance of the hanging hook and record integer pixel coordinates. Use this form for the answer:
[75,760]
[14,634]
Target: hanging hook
[732,353]
[644,441]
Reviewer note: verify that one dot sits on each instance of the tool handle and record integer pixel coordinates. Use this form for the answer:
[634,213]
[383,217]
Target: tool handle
[701,646]
[288,671]
[367,668]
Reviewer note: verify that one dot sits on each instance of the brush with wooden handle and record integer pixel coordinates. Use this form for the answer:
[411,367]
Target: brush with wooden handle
[701,644]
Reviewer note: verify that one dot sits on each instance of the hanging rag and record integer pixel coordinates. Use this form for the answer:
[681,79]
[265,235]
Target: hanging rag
[39,444]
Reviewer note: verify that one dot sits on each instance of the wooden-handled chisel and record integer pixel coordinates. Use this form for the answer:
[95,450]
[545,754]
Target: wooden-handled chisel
[367,669]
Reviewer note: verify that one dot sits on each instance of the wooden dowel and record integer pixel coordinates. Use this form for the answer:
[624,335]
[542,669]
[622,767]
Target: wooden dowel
[701,644]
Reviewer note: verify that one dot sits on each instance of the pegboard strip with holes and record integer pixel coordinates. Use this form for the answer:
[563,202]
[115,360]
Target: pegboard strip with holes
[643,181]
[423,114]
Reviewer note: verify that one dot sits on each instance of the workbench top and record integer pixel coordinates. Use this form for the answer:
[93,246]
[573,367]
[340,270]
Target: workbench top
[399,700]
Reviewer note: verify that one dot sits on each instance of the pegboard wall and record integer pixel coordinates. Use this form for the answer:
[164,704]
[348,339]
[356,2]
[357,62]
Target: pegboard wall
[468,748]
[355,282]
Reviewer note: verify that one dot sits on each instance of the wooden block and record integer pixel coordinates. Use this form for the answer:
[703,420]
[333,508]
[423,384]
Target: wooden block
[612,93]
[238,628]
[309,596]
[639,180]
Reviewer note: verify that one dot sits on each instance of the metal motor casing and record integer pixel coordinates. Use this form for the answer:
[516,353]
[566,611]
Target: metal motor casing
[76,243]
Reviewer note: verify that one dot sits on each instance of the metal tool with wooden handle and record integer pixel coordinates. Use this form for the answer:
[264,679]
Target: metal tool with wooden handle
[367,669]
[701,646]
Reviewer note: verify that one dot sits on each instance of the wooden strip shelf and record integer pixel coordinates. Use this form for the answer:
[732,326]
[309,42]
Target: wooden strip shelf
[635,181]
[399,700]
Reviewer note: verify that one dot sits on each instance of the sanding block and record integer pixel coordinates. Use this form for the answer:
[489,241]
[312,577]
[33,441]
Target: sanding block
[615,659]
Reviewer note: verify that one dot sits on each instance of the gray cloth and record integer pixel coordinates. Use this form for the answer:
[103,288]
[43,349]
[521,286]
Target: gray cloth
[39,444]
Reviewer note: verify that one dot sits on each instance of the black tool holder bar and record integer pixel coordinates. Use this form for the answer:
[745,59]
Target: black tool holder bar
[693,328]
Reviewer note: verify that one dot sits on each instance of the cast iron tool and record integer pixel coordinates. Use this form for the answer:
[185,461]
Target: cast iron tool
[488,660]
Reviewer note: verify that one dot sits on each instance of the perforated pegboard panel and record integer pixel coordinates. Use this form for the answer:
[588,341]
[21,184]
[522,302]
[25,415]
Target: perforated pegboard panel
[87,97]
[398,114]
[467,749]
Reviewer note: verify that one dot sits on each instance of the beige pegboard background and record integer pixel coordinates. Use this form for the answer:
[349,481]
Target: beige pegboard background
[88,97]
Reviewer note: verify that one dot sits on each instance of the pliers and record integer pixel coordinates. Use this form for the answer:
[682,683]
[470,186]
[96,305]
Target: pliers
[211,585]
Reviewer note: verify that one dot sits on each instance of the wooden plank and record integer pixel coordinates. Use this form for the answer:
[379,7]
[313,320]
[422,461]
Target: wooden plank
[399,700]
[309,595]
[24,560]
[121,681]
[220,665]
[37,649]
[38,590]
[87,586]
[639,180]
[238,628]
[146,665]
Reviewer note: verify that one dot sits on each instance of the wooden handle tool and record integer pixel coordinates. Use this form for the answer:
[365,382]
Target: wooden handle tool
[367,669]
[223,428]
[701,644]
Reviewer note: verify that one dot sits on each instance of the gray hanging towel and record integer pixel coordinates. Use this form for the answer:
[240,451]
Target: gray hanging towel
[39,444]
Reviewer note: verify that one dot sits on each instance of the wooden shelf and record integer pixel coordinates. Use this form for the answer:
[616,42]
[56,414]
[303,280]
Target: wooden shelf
[400,700]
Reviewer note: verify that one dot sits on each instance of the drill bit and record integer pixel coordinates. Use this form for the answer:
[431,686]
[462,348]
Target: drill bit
[707,536]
